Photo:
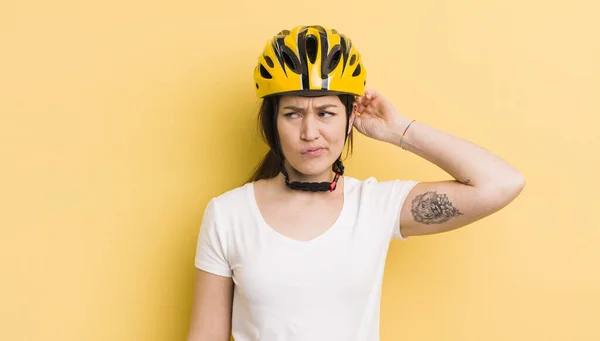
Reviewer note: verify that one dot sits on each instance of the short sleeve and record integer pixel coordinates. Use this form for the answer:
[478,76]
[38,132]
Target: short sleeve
[211,248]
[389,197]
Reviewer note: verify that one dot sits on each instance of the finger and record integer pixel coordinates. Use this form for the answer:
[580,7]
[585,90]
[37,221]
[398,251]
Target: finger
[360,105]
[371,94]
[366,96]
[366,107]
[363,101]
[366,103]
[359,100]
[372,98]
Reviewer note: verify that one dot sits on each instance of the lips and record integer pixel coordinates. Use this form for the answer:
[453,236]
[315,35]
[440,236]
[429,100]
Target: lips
[311,150]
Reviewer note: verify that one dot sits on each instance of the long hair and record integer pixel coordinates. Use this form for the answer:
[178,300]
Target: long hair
[269,167]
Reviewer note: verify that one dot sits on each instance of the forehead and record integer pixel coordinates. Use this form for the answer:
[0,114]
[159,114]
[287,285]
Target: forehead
[305,102]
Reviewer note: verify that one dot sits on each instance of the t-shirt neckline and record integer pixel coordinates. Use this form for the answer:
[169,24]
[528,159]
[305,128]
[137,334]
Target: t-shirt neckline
[263,223]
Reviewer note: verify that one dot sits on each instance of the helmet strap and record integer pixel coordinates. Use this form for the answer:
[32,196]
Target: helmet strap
[337,167]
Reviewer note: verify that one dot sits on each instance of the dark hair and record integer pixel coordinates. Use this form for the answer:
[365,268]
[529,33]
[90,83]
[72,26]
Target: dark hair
[267,126]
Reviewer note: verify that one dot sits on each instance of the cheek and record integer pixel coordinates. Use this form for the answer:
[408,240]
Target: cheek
[286,134]
[336,134]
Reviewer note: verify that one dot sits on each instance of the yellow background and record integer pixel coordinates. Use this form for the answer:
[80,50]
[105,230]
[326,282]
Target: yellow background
[120,120]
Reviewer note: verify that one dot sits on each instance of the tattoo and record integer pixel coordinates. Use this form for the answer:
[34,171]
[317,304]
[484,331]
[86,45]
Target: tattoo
[433,208]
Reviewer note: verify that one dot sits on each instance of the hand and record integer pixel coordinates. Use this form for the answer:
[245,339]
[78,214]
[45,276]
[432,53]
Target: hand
[378,118]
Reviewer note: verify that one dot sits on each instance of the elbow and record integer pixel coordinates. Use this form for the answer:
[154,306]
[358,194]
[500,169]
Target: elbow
[516,184]
[521,182]
[508,188]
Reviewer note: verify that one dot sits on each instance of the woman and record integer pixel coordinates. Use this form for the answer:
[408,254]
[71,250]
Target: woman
[298,253]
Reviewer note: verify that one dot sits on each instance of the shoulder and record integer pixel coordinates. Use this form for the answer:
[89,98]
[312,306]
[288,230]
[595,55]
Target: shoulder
[382,196]
[232,198]
[374,186]
[236,194]
[223,213]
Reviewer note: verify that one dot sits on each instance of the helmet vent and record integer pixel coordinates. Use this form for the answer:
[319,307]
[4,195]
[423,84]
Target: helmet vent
[311,48]
[264,72]
[352,59]
[356,71]
[269,61]
[290,59]
[332,60]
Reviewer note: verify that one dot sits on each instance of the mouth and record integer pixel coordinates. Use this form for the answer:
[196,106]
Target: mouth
[313,151]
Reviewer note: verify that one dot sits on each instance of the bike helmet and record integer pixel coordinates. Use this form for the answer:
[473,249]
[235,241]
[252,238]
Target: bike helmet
[309,60]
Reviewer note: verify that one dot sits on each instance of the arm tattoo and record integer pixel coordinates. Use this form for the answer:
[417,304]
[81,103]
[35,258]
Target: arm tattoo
[433,208]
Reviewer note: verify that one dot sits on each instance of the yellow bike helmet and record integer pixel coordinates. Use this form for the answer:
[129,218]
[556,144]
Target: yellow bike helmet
[309,60]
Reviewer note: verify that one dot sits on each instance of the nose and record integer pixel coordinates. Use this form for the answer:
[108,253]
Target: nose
[310,128]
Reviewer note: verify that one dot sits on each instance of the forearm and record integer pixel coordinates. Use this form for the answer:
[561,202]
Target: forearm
[467,162]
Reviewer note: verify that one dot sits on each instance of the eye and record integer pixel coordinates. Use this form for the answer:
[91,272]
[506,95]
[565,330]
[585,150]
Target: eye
[326,114]
[291,115]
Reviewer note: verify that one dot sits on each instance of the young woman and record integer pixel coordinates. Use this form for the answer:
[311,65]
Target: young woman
[298,253]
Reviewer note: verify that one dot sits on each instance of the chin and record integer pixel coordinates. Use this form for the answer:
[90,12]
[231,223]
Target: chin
[313,167]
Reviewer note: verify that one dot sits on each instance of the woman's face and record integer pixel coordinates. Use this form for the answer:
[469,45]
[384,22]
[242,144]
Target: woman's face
[312,133]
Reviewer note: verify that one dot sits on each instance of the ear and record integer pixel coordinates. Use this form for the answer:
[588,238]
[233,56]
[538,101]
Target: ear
[352,117]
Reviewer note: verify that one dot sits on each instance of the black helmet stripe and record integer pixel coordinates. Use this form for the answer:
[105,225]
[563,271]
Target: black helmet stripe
[324,50]
[301,43]
[345,51]
[277,49]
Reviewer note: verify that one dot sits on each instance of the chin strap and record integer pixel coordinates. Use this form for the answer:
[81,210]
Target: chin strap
[338,168]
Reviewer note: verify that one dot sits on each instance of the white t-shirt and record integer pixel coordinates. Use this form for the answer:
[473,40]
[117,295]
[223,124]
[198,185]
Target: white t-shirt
[327,288]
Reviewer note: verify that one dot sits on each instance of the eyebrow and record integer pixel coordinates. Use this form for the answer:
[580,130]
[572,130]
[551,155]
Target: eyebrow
[321,107]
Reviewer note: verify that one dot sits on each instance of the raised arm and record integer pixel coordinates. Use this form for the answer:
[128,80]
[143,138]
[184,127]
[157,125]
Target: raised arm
[484,183]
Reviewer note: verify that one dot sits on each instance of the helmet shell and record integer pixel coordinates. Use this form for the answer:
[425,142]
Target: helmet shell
[309,60]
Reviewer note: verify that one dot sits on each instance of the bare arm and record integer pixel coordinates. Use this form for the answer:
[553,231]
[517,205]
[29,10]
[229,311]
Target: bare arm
[211,311]
[484,183]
